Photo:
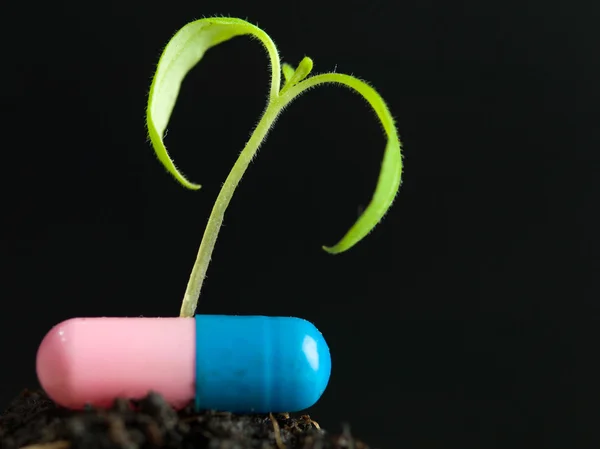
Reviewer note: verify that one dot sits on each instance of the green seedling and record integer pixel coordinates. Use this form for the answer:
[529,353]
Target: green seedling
[182,53]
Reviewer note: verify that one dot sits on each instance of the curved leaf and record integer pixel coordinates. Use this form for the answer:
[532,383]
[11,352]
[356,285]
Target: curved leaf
[181,54]
[390,175]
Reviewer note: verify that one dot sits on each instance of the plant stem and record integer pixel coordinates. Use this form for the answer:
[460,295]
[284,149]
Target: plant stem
[192,292]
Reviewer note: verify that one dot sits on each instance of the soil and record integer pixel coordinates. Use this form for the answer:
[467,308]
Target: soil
[33,421]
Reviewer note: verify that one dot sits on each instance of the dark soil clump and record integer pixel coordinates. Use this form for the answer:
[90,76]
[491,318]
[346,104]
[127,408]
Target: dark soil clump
[33,421]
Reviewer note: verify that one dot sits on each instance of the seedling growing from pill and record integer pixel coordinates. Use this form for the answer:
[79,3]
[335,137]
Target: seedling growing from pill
[182,53]
[244,364]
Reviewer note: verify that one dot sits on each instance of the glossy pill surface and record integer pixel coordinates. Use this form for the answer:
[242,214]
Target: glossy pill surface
[229,363]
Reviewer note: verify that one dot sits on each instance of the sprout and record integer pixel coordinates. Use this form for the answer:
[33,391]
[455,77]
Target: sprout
[182,53]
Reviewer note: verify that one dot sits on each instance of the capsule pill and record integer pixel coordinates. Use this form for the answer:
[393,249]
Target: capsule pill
[243,364]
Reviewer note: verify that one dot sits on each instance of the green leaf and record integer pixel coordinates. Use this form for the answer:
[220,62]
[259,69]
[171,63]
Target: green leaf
[288,71]
[391,168]
[293,77]
[181,54]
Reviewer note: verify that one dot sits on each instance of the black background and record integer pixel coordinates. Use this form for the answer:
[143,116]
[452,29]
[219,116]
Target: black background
[468,318]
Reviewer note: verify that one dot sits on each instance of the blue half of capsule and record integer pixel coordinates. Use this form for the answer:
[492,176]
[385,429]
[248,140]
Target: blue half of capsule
[259,364]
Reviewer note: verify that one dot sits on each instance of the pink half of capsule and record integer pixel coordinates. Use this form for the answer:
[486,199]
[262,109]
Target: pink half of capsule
[82,359]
